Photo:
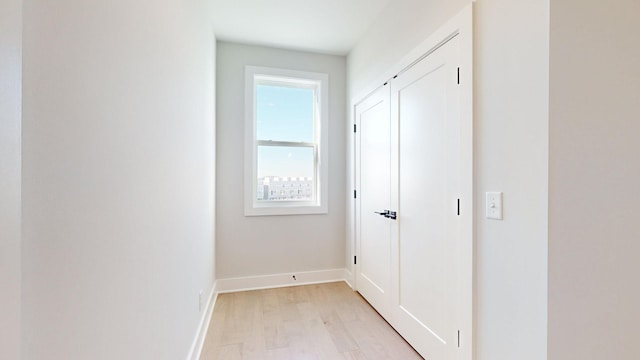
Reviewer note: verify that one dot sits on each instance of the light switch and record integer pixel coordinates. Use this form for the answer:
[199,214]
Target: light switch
[494,205]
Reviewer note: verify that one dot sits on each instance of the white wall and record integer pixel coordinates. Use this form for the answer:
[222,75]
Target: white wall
[264,245]
[10,119]
[512,104]
[118,174]
[594,176]
[511,135]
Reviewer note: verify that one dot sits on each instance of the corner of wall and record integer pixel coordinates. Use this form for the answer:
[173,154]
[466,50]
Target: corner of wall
[10,179]
[198,343]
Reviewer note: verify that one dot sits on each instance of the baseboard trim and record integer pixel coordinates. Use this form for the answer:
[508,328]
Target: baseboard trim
[348,278]
[222,286]
[280,280]
[198,343]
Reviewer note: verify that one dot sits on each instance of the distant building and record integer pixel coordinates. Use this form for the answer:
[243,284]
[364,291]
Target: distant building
[274,188]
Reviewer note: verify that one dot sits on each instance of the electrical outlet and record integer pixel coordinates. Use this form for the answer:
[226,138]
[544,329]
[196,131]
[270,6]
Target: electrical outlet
[200,301]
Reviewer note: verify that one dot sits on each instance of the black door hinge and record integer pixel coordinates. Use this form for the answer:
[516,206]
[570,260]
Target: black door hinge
[458,76]
[458,207]
[355,127]
[355,194]
[458,338]
[355,260]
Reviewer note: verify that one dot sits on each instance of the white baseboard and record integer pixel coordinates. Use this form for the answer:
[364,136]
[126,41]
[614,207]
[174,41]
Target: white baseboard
[198,342]
[348,278]
[280,280]
[257,283]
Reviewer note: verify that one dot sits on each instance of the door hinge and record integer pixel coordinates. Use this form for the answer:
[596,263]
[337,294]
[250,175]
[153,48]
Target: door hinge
[355,260]
[355,194]
[458,338]
[458,76]
[355,127]
[458,207]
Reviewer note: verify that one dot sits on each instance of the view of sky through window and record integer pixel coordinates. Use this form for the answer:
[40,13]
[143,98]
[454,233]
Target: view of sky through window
[285,114]
[283,161]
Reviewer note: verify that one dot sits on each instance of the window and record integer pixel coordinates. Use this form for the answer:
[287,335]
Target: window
[285,142]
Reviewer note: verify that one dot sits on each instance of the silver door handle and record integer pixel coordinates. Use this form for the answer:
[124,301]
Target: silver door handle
[388,214]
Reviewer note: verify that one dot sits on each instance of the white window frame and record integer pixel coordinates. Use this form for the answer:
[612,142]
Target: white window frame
[319,81]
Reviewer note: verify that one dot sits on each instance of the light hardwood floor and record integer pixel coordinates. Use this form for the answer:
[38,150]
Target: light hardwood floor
[325,321]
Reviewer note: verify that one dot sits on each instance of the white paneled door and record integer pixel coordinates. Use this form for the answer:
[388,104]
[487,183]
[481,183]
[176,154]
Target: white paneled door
[410,167]
[374,178]
[425,110]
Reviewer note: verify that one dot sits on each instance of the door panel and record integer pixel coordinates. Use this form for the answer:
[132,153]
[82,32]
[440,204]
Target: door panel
[424,109]
[422,179]
[374,231]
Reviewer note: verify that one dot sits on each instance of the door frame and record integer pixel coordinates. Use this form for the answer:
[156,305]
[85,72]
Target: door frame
[460,26]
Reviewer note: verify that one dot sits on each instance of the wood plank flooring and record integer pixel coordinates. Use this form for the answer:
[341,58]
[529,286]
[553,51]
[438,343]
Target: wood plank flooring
[325,321]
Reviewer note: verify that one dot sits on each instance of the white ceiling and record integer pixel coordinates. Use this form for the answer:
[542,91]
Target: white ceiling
[325,26]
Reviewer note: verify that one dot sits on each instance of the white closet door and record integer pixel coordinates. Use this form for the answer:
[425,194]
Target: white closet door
[373,231]
[426,158]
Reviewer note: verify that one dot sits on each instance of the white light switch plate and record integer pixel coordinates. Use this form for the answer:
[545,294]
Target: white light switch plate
[494,205]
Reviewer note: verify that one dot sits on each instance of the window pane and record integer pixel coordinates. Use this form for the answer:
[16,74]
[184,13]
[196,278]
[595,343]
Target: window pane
[284,113]
[285,173]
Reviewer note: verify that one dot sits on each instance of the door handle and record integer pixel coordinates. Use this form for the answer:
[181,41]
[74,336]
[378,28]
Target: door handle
[388,214]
